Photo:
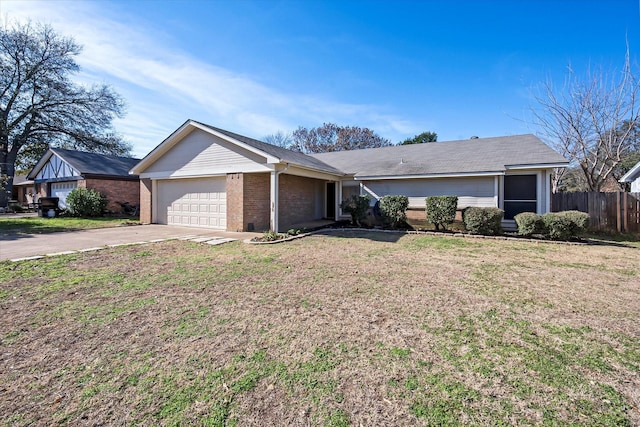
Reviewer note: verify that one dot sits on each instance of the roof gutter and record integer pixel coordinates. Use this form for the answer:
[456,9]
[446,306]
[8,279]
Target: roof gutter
[427,176]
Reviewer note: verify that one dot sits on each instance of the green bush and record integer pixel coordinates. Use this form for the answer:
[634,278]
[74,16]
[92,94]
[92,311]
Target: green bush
[441,210]
[529,223]
[394,209]
[16,207]
[357,206]
[565,225]
[270,236]
[557,227]
[579,219]
[85,203]
[486,221]
[296,231]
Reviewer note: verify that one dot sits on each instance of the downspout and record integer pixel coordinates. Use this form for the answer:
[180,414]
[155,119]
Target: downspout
[283,170]
[274,198]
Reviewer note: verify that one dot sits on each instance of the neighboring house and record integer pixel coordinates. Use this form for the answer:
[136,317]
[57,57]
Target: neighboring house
[23,190]
[59,171]
[633,176]
[208,177]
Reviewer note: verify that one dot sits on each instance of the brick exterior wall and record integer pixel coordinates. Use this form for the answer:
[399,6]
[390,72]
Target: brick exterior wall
[419,214]
[115,190]
[416,214]
[248,201]
[297,200]
[145,201]
[257,201]
[235,196]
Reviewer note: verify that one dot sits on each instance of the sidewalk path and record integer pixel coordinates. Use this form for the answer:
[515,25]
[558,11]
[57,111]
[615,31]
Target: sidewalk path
[21,246]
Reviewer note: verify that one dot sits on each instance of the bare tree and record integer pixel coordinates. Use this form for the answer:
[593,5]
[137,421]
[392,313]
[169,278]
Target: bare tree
[279,139]
[592,120]
[41,106]
[331,137]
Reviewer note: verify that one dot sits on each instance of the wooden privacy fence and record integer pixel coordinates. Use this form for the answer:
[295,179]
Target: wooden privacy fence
[607,211]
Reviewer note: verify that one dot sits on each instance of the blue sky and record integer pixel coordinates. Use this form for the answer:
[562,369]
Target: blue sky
[458,68]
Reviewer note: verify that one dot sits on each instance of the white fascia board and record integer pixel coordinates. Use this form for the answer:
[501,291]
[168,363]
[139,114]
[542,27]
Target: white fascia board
[270,158]
[208,172]
[43,161]
[633,173]
[435,175]
[311,173]
[538,166]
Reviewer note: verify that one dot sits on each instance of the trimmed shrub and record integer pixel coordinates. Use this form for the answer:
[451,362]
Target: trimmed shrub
[565,225]
[486,221]
[85,203]
[529,223]
[394,209]
[579,219]
[557,227]
[441,210]
[357,206]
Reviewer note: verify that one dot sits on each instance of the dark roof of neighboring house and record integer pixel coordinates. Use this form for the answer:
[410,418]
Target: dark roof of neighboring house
[285,155]
[480,155]
[91,163]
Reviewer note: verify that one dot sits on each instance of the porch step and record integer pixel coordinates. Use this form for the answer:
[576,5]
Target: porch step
[509,225]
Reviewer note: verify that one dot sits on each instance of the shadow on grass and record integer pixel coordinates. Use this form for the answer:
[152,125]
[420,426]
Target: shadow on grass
[621,240]
[377,235]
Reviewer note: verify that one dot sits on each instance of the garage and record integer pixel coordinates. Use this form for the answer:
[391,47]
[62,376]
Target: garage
[194,202]
[61,190]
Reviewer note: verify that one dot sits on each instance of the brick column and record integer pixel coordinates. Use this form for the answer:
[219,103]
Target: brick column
[145,201]
[235,202]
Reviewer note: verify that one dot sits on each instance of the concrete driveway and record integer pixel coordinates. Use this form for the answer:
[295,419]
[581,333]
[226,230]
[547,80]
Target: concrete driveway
[20,246]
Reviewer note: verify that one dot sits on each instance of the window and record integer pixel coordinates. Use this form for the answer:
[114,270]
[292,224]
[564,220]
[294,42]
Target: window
[520,194]
[349,189]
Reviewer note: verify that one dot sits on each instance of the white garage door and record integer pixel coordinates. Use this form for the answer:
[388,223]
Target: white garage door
[62,190]
[198,202]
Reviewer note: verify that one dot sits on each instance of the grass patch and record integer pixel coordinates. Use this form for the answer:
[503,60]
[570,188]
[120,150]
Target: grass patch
[323,331]
[38,225]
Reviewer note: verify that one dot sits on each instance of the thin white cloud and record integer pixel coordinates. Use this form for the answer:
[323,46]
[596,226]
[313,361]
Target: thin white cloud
[164,86]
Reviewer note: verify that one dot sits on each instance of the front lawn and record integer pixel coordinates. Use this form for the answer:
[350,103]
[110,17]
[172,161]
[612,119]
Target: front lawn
[348,328]
[39,225]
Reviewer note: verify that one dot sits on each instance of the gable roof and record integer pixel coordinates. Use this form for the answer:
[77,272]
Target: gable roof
[488,156]
[285,155]
[88,163]
[480,156]
[274,154]
[632,174]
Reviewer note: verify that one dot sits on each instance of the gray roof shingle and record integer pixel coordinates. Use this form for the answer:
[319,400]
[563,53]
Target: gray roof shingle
[97,164]
[285,155]
[481,155]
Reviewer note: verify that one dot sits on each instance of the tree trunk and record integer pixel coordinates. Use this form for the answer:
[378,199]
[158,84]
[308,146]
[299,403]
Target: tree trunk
[7,171]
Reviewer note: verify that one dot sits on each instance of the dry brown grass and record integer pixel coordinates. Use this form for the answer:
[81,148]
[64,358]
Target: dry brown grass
[351,329]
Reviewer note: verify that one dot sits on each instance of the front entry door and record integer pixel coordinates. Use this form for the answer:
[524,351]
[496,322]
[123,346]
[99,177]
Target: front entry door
[330,202]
